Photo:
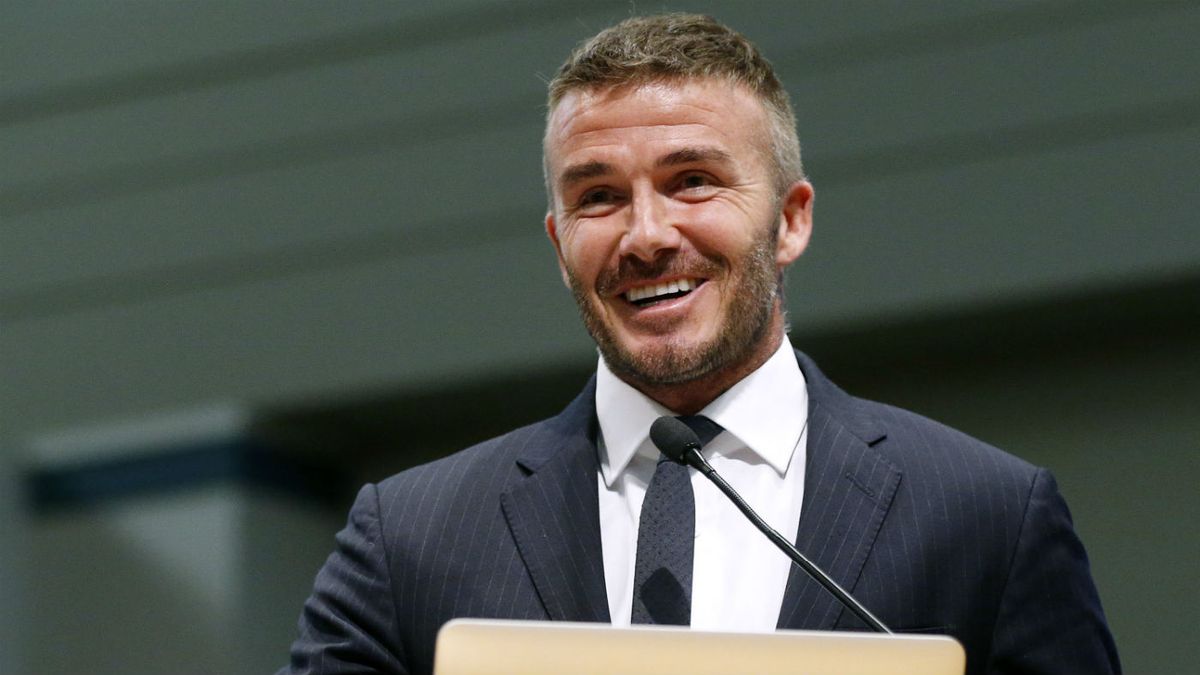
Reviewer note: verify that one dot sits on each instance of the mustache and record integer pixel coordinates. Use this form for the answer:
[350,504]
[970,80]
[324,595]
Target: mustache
[632,270]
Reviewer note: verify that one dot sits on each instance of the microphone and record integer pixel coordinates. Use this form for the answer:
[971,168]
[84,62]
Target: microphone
[680,444]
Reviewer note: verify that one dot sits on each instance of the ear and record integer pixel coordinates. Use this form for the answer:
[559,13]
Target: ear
[552,232]
[795,223]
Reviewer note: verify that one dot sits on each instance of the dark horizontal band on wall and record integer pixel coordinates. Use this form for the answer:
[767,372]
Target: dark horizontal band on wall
[240,462]
[1098,323]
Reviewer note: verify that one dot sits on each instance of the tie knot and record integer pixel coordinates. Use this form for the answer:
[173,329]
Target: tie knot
[705,428]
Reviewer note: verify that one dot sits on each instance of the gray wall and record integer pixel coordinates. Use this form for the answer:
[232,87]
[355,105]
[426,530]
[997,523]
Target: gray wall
[13,556]
[315,210]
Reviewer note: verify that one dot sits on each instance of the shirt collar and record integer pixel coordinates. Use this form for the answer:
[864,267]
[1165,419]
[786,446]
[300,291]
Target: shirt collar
[766,411]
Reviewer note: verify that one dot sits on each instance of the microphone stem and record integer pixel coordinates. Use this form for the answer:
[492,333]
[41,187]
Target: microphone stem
[695,459]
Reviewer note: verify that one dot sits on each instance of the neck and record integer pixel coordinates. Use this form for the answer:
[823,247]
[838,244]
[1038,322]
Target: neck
[689,398]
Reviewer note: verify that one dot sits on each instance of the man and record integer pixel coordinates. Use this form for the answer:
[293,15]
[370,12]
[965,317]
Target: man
[677,201]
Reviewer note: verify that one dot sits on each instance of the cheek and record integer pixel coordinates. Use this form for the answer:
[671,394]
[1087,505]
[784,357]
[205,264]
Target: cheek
[726,223]
[722,240]
[586,250]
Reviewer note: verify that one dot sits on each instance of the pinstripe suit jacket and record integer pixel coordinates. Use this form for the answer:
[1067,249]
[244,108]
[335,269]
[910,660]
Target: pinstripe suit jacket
[932,530]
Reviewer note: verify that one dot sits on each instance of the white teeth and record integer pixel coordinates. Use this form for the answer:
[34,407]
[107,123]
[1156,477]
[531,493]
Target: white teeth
[656,290]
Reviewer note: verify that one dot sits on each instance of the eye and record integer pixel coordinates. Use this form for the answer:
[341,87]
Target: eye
[596,202]
[596,196]
[695,185]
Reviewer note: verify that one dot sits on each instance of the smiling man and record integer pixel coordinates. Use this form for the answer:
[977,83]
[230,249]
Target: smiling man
[677,201]
[672,231]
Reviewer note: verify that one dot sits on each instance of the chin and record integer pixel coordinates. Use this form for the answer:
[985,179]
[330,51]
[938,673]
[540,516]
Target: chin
[664,364]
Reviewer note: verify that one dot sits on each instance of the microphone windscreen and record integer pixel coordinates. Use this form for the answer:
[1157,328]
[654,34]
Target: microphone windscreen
[673,438]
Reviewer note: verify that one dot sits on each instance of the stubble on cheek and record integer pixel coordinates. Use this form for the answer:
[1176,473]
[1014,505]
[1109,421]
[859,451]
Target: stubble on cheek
[744,316]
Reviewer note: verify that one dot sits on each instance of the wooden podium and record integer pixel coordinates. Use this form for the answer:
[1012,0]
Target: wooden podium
[492,647]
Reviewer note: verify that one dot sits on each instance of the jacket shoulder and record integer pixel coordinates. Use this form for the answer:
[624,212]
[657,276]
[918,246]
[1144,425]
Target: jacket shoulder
[485,468]
[490,466]
[913,439]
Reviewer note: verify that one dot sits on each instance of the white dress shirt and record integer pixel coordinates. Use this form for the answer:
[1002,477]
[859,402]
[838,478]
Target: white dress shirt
[738,575]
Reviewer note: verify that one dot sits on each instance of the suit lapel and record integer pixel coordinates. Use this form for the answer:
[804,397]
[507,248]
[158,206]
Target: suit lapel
[848,488]
[554,515]
[553,511]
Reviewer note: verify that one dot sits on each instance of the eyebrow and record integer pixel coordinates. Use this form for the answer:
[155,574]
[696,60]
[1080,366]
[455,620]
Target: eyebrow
[581,172]
[689,155]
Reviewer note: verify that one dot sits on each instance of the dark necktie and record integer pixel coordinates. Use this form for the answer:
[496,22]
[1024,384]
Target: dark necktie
[662,573]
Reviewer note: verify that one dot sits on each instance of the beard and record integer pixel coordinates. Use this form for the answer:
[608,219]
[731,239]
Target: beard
[751,295]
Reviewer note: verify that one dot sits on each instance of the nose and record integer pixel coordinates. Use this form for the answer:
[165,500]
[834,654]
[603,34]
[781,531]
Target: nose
[649,230]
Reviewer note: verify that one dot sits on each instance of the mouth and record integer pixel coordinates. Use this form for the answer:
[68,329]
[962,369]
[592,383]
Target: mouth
[651,294]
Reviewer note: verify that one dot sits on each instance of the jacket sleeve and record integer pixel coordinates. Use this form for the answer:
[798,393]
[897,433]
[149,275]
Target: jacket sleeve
[348,624]
[1050,620]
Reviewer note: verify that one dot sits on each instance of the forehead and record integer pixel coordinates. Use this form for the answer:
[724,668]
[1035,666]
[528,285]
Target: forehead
[709,111]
